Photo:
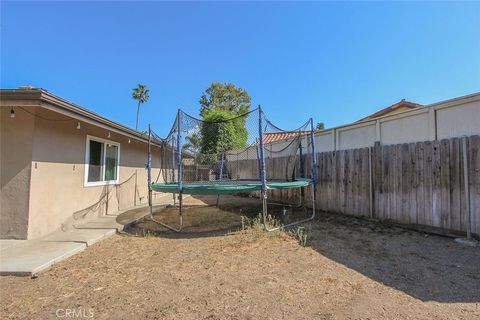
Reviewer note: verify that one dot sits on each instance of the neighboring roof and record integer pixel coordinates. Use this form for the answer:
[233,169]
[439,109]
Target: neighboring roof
[55,103]
[399,105]
[276,136]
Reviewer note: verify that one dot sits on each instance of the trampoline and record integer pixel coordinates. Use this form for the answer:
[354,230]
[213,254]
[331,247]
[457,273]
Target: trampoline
[242,154]
[228,187]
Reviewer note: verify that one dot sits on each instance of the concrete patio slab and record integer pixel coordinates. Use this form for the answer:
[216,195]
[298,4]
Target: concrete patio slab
[118,222]
[7,243]
[105,222]
[28,257]
[31,257]
[87,236]
[130,216]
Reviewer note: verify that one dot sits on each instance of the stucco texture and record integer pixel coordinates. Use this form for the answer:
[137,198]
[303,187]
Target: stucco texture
[15,163]
[43,170]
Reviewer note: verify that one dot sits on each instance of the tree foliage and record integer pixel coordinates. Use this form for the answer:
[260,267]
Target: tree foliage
[224,96]
[220,135]
[221,129]
[320,126]
[220,104]
[141,94]
[193,142]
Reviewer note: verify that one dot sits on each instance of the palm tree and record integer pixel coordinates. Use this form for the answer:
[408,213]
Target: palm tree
[140,93]
[193,143]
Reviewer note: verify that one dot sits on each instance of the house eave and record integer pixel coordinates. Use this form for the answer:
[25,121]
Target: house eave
[44,99]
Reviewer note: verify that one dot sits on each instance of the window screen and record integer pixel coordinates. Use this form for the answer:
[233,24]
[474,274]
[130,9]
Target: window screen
[102,158]
[95,162]
[111,162]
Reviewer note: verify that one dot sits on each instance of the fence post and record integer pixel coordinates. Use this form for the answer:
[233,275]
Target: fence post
[378,134]
[337,140]
[466,186]
[370,174]
[334,139]
[432,121]
[149,170]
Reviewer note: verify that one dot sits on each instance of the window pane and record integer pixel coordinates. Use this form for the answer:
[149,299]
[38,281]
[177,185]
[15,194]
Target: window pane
[95,161]
[111,162]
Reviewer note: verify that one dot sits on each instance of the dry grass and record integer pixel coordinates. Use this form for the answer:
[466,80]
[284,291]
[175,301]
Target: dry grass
[348,269]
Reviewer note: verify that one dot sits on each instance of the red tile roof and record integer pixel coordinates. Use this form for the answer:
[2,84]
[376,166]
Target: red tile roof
[401,104]
[276,136]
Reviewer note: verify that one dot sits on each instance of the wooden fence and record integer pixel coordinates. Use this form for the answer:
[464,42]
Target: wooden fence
[413,183]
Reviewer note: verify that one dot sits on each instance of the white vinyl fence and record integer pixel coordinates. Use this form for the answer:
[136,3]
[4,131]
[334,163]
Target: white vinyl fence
[447,119]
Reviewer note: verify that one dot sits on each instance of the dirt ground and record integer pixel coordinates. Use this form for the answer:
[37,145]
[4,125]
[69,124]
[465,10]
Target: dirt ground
[349,269]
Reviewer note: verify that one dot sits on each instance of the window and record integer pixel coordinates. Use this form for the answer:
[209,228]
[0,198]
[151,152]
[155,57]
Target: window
[101,161]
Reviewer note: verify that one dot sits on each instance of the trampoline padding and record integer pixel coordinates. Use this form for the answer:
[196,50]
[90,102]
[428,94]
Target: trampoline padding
[228,186]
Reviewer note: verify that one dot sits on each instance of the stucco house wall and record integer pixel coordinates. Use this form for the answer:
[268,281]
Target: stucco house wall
[16,137]
[43,172]
[58,165]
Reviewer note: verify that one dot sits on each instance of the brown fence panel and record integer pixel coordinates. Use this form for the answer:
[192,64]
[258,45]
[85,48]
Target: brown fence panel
[413,183]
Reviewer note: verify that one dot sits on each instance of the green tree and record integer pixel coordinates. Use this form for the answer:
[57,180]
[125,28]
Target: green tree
[140,93]
[320,126]
[220,134]
[224,96]
[193,142]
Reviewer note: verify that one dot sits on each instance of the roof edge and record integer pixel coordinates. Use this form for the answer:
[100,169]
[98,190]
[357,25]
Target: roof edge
[402,103]
[73,109]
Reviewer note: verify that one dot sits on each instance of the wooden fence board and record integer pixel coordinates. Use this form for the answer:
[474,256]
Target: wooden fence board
[330,172]
[395,183]
[428,183]
[387,188]
[342,182]
[474,177]
[390,176]
[336,206]
[354,178]
[454,184]
[365,182]
[413,183]
[420,187]
[463,203]
[404,174]
[377,180]
[417,183]
[348,175]
[322,180]
[436,192]
[445,182]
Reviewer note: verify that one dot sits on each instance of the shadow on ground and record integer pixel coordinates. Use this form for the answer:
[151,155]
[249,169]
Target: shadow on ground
[427,267]
[203,218]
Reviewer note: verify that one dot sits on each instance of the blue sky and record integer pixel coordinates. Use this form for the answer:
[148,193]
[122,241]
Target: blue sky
[335,62]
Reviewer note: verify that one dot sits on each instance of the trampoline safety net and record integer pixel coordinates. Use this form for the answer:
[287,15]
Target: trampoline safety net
[223,154]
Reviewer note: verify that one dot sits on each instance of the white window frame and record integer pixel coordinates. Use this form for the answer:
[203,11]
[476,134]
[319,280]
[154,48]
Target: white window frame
[87,183]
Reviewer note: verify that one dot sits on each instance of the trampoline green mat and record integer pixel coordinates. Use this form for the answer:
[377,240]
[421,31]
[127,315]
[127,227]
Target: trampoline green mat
[228,186]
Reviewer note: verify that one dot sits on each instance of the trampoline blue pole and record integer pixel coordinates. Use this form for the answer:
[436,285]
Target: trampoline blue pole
[263,175]
[314,160]
[173,162]
[149,169]
[302,169]
[179,151]
[258,157]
